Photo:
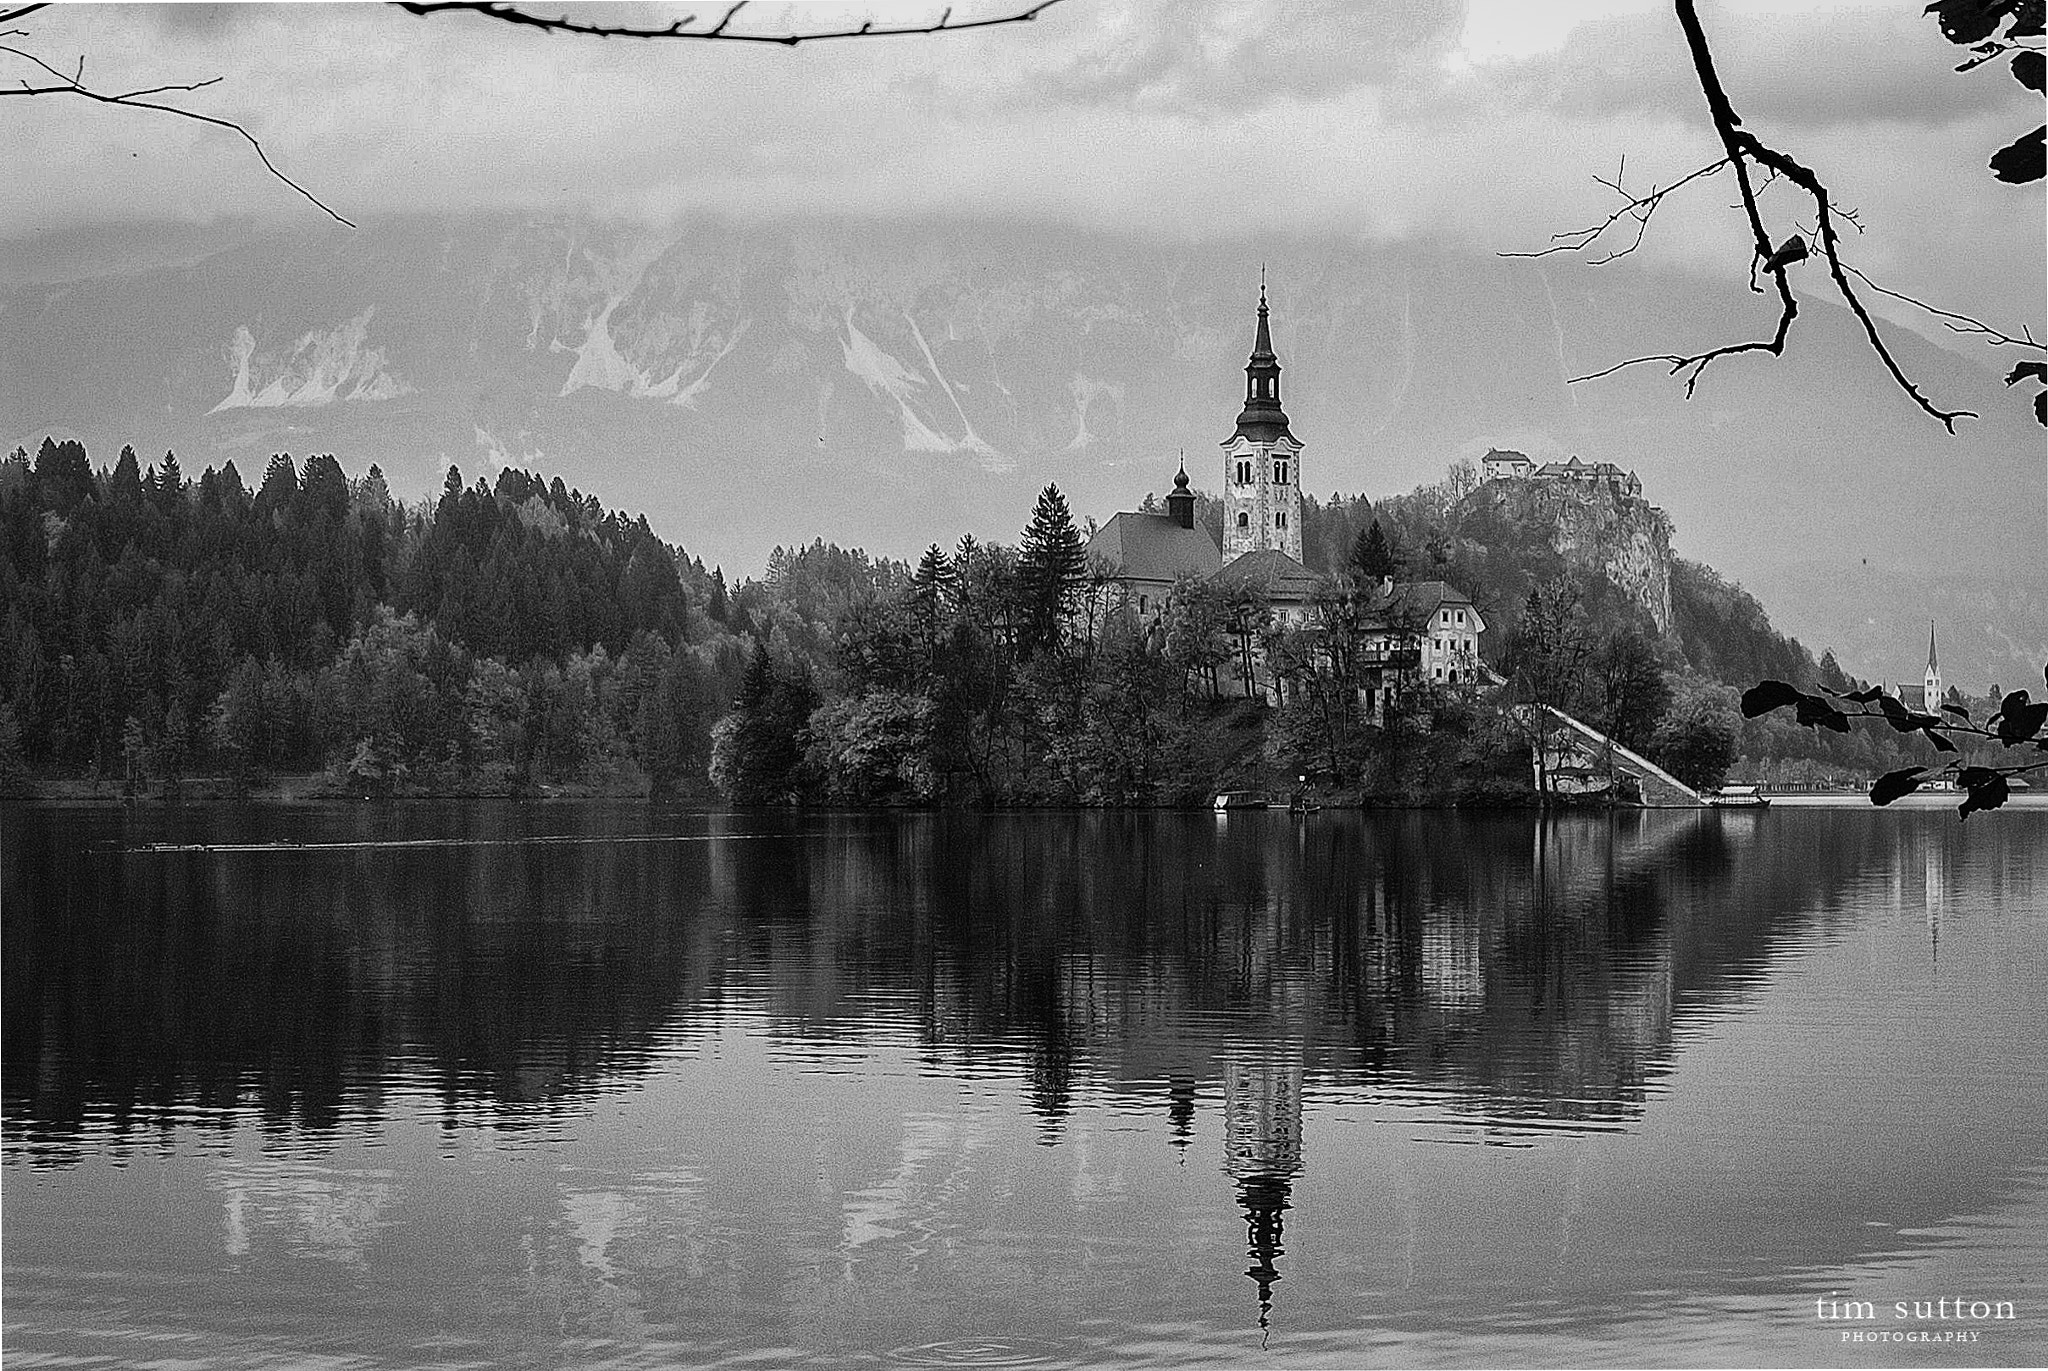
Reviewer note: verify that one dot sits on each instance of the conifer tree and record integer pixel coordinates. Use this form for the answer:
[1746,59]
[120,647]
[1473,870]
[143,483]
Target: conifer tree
[1049,569]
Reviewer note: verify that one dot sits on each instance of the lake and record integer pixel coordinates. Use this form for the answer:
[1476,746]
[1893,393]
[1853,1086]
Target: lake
[601,1084]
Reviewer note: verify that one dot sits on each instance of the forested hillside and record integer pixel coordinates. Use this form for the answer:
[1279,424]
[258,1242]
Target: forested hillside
[508,634]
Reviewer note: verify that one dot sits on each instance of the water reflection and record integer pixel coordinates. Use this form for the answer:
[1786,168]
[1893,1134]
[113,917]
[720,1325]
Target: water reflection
[1231,988]
[1519,971]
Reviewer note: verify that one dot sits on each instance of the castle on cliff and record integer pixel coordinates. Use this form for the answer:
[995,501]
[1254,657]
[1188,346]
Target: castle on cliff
[1499,464]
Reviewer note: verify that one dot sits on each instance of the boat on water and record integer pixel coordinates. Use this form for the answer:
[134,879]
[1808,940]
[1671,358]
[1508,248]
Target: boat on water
[1738,797]
[1240,799]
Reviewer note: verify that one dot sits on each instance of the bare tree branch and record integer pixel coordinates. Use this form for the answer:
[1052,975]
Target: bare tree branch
[1745,151]
[75,85]
[1638,207]
[721,31]
[9,16]
[1957,323]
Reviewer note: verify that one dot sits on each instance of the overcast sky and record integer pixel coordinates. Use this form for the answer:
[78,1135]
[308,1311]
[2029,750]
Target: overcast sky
[1483,121]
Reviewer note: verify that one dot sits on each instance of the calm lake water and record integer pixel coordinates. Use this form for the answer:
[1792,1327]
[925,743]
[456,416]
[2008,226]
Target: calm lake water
[598,1084]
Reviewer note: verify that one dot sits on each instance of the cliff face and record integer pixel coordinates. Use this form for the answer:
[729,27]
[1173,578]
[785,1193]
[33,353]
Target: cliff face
[1593,530]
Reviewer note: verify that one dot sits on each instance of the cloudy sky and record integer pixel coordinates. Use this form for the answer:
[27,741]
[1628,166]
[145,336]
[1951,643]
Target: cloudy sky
[1482,121]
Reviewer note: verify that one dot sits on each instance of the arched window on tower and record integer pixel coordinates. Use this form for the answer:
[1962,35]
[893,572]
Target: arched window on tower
[1244,473]
[1279,473]
[1243,520]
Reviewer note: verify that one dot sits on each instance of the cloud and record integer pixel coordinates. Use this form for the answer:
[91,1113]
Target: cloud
[1484,124]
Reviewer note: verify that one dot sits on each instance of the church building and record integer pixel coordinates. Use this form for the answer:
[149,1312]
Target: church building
[1925,697]
[1426,630]
[1261,511]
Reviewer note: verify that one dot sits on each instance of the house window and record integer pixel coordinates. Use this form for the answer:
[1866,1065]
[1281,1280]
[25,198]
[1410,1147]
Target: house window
[1244,520]
[1461,616]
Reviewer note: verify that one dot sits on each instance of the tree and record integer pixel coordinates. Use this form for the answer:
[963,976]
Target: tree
[1628,681]
[1050,568]
[1546,661]
[1696,740]
[1373,558]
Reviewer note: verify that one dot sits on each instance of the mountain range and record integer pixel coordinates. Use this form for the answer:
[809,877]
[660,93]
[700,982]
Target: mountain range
[893,384]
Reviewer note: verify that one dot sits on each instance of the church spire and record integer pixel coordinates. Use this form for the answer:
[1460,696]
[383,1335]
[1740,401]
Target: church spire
[1262,420]
[1933,663]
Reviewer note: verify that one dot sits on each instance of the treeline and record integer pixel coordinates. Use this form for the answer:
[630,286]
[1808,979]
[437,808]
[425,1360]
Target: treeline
[510,633]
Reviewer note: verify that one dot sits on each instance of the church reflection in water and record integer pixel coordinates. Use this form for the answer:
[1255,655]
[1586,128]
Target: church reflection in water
[1516,972]
[1262,1152]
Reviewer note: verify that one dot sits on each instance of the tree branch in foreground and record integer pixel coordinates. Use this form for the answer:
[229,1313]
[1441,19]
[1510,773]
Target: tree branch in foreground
[721,31]
[74,84]
[2020,723]
[1750,155]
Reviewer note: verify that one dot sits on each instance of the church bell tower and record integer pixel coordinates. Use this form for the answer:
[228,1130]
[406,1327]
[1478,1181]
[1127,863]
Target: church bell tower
[1262,460]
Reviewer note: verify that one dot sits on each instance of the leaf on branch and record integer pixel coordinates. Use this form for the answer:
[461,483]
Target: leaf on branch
[1765,696]
[1954,708]
[1867,694]
[1792,250]
[2022,160]
[1940,740]
[1902,719]
[2028,18]
[1966,21]
[1815,712]
[2022,370]
[2026,69]
[1895,784]
[1989,795]
[2015,726]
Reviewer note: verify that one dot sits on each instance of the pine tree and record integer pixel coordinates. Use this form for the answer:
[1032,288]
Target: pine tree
[1373,558]
[1049,570]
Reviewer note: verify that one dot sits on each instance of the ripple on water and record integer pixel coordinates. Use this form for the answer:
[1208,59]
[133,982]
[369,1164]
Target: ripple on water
[981,1352]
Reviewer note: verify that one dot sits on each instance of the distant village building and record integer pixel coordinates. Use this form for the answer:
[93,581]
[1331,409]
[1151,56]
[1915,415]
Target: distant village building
[1419,631]
[1925,697]
[1502,465]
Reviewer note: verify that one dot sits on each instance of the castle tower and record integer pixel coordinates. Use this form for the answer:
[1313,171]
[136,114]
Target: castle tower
[1932,702]
[1262,460]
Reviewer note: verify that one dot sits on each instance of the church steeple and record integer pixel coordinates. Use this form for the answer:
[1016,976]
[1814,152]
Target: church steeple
[1180,505]
[1261,459]
[1262,420]
[1931,683]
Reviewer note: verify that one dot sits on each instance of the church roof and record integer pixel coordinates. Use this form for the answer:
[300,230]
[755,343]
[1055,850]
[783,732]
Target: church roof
[1279,575]
[1152,547]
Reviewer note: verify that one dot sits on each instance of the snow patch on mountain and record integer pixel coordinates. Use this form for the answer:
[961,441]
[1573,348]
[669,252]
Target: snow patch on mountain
[991,460]
[888,379]
[323,366]
[602,364]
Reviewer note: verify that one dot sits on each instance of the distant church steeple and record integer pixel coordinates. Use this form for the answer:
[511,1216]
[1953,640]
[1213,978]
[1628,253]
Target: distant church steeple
[1261,460]
[1932,680]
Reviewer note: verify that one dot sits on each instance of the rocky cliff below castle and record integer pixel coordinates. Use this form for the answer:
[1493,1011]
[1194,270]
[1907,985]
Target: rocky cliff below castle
[1596,530]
